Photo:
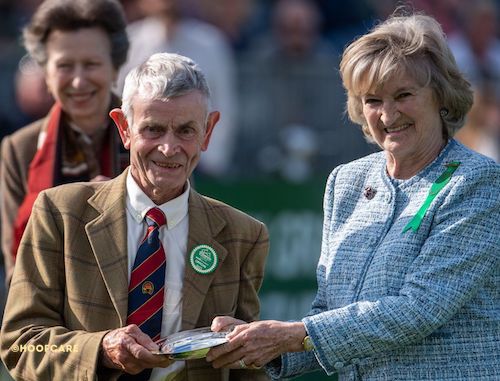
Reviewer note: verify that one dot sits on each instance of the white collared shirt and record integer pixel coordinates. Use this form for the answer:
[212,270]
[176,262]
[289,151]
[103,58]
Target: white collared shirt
[174,238]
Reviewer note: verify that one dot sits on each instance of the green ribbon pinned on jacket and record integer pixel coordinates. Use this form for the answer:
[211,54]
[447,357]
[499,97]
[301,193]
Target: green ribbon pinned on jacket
[436,187]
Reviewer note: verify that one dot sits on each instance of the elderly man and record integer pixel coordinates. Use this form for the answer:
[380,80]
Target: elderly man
[105,269]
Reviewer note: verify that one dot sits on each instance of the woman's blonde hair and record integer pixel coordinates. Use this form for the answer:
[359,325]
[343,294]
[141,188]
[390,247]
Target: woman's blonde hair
[415,45]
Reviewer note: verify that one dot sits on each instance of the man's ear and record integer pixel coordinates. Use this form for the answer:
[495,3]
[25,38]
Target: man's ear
[212,120]
[121,123]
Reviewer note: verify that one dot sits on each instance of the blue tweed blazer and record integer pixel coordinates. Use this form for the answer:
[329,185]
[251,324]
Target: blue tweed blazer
[421,305]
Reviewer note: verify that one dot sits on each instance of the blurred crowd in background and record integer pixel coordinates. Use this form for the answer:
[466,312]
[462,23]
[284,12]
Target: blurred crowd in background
[273,70]
[272,66]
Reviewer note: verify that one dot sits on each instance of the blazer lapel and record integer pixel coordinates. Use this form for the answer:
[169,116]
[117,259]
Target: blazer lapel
[107,234]
[204,225]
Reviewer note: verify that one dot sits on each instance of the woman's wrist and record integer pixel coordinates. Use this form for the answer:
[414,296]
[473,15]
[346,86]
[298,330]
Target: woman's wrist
[296,334]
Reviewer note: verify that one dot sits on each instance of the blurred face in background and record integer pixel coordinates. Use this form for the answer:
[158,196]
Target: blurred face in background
[31,93]
[159,7]
[481,28]
[296,24]
[79,74]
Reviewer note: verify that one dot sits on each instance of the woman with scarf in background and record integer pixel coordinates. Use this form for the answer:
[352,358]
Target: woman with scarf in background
[80,44]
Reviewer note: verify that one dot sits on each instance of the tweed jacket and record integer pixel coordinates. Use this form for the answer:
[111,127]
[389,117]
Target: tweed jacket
[70,283]
[18,150]
[394,305]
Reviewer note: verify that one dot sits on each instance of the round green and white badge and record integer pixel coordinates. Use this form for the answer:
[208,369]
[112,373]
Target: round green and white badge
[203,259]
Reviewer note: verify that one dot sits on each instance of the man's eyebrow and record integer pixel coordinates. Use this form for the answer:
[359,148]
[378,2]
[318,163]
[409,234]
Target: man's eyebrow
[149,123]
[191,123]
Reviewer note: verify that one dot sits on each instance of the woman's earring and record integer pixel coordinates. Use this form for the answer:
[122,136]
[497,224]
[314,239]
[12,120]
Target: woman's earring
[443,112]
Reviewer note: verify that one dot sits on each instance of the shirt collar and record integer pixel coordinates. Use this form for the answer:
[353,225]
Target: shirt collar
[138,203]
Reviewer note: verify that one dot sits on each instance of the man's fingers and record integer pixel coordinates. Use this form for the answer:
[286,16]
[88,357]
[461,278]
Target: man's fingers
[143,339]
[129,349]
[162,361]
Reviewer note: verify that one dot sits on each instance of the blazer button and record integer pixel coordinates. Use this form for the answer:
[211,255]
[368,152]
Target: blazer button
[338,365]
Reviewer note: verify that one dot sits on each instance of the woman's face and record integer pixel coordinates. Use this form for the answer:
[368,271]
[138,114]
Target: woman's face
[79,72]
[403,119]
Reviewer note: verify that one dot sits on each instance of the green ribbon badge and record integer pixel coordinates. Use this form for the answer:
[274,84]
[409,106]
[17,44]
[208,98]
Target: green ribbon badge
[203,259]
[436,187]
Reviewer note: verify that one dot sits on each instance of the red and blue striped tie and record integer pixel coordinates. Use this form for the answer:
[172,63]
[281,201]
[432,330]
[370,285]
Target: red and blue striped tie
[147,280]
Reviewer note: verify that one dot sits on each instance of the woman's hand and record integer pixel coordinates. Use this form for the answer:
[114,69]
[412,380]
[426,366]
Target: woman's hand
[255,344]
[225,323]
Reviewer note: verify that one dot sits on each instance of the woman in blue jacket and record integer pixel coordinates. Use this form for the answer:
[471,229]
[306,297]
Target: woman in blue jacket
[408,279]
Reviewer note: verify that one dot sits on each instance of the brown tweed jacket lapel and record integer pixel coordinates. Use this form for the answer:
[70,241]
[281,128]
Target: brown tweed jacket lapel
[205,223]
[107,234]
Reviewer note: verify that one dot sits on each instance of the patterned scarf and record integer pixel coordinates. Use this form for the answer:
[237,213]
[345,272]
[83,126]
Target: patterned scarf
[65,156]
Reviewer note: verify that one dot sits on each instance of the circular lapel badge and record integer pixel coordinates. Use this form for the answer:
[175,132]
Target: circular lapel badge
[203,259]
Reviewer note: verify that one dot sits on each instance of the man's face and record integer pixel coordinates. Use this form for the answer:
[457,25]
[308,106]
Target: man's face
[165,142]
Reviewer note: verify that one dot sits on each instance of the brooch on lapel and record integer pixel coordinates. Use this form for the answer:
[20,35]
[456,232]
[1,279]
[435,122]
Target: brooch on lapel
[203,259]
[369,192]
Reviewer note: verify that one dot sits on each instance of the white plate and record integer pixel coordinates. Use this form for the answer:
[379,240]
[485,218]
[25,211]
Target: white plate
[192,344]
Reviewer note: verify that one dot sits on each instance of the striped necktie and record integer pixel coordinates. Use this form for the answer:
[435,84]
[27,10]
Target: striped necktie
[147,280]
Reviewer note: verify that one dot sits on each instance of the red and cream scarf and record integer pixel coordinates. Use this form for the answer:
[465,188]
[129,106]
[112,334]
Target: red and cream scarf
[44,170]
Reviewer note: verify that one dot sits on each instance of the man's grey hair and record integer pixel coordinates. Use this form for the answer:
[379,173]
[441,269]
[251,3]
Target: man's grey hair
[161,77]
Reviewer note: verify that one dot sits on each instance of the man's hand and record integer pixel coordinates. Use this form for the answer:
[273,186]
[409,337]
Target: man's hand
[129,349]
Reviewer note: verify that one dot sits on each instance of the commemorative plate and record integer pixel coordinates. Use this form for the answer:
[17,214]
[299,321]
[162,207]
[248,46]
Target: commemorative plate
[192,344]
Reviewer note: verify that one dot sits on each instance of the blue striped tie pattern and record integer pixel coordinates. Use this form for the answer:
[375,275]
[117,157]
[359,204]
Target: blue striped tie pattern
[147,280]
[147,285]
